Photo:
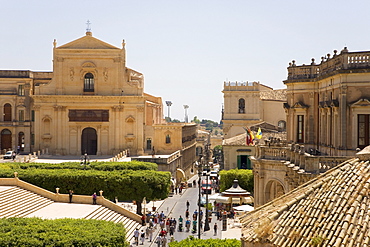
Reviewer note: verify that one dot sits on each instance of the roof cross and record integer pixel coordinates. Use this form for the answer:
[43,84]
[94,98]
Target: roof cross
[88,28]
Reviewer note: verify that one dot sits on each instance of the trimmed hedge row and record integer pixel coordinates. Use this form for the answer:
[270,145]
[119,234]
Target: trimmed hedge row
[37,232]
[194,242]
[101,166]
[244,177]
[123,184]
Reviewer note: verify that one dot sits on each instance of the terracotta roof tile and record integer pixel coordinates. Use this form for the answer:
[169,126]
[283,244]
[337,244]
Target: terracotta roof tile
[333,208]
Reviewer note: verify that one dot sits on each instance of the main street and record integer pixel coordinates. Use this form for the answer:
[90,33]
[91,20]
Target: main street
[175,206]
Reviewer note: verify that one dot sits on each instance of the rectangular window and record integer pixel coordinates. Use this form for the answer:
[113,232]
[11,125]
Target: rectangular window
[21,115]
[363,134]
[21,90]
[33,116]
[149,144]
[300,129]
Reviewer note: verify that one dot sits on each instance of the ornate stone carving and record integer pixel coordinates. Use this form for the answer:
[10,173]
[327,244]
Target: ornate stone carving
[135,78]
[88,65]
[59,108]
[117,108]
[140,108]
[105,74]
[36,107]
[71,73]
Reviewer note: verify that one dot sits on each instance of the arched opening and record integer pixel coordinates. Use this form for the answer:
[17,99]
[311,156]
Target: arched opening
[168,139]
[20,142]
[89,82]
[89,142]
[6,139]
[241,106]
[7,112]
[274,189]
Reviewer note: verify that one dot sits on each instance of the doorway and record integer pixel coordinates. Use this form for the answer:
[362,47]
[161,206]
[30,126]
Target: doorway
[244,162]
[6,139]
[89,141]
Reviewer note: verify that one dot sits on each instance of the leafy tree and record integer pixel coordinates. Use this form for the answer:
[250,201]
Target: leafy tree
[196,120]
[244,177]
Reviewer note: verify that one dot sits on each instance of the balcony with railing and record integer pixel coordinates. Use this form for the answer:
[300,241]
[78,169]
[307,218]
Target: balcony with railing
[297,158]
[329,64]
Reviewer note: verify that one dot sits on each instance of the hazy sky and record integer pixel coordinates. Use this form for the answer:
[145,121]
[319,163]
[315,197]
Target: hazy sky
[187,49]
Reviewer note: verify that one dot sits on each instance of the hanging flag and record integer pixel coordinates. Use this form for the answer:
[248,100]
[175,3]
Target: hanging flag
[249,136]
[259,134]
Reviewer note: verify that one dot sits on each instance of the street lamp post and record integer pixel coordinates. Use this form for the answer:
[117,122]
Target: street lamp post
[85,160]
[206,223]
[199,188]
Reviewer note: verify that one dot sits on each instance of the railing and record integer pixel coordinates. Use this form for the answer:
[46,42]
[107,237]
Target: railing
[296,155]
[65,198]
[345,60]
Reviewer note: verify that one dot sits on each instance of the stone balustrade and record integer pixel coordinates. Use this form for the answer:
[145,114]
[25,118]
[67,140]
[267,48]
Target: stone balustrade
[296,155]
[344,60]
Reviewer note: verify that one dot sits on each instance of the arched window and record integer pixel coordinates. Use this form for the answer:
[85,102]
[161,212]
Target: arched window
[89,83]
[7,112]
[168,139]
[241,106]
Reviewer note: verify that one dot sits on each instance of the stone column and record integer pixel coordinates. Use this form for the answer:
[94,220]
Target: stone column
[343,117]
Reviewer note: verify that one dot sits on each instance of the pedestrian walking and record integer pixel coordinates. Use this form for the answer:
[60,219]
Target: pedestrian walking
[187,204]
[136,236]
[159,240]
[187,225]
[194,183]
[164,241]
[94,196]
[70,194]
[142,237]
[215,227]
[187,213]
[151,229]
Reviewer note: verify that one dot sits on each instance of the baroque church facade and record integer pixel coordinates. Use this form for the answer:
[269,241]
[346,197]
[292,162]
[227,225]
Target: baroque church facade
[90,103]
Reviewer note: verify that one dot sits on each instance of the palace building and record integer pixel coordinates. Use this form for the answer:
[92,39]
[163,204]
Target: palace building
[90,103]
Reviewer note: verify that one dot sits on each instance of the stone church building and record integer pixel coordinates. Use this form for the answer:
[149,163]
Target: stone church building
[91,102]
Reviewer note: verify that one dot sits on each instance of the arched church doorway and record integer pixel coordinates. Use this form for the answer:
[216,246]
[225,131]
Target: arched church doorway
[6,139]
[89,141]
[274,189]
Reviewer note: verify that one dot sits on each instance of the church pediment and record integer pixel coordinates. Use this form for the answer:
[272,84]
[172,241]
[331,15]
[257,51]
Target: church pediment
[87,42]
[299,105]
[361,103]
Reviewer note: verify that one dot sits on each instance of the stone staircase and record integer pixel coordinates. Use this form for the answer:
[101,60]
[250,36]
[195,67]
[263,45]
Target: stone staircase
[18,202]
[103,213]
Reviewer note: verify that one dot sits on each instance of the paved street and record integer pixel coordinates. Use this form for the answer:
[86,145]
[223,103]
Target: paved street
[176,206]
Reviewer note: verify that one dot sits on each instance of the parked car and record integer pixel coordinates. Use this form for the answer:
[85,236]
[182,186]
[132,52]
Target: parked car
[8,155]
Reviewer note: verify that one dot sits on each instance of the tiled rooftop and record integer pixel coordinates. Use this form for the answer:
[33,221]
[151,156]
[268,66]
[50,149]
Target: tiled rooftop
[333,209]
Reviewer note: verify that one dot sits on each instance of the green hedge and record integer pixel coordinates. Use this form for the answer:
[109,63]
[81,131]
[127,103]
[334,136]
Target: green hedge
[101,166]
[123,184]
[244,177]
[194,242]
[60,232]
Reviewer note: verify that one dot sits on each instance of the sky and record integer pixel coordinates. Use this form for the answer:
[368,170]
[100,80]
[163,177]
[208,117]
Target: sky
[188,49]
